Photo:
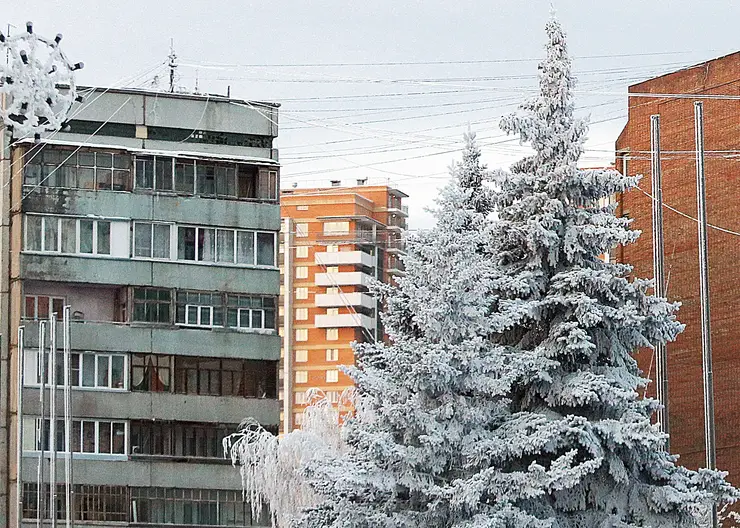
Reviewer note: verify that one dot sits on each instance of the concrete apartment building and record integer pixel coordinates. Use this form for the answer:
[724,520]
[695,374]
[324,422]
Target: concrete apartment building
[156,217]
[716,78]
[334,241]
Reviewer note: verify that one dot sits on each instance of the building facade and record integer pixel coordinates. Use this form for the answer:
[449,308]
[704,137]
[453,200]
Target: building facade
[334,241]
[717,84]
[155,217]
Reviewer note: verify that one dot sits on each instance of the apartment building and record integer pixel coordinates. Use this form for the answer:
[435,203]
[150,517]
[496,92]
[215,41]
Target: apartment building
[334,241]
[717,84]
[155,216]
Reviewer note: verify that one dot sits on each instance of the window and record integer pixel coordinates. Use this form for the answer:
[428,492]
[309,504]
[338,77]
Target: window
[163,506]
[150,372]
[55,234]
[301,293]
[301,272]
[301,376]
[301,314]
[332,396]
[155,172]
[158,438]
[332,248]
[87,369]
[229,246]
[299,397]
[151,240]
[91,503]
[301,356]
[37,306]
[301,252]
[332,269]
[85,169]
[196,243]
[301,334]
[332,376]
[332,334]
[199,309]
[265,249]
[96,437]
[332,291]
[226,377]
[185,176]
[216,179]
[336,228]
[301,230]
[152,305]
[332,354]
[255,312]
[298,418]
[332,311]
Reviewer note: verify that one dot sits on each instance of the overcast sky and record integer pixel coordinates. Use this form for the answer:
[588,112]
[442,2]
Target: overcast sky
[395,123]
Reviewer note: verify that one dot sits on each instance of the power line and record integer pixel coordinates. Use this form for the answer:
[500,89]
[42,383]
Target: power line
[444,62]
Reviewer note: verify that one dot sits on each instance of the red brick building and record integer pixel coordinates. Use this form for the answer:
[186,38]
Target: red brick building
[718,77]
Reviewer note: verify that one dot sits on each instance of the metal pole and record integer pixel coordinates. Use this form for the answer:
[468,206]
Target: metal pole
[661,363]
[19,433]
[287,327]
[40,491]
[706,338]
[67,417]
[53,419]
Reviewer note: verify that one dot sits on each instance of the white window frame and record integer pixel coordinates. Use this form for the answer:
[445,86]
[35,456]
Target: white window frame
[301,314]
[301,334]
[301,376]
[151,240]
[301,252]
[301,230]
[198,317]
[301,293]
[248,312]
[332,334]
[57,219]
[336,228]
[32,372]
[301,272]
[299,397]
[301,356]
[332,354]
[35,298]
[36,420]
[332,376]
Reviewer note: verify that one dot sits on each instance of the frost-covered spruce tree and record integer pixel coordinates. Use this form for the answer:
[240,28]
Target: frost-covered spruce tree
[507,396]
[586,318]
[428,399]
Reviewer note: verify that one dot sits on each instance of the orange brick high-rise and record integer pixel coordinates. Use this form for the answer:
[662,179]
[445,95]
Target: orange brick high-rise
[334,241]
[719,81]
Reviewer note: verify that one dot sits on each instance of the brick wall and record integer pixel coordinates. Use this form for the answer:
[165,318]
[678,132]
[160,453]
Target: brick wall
[722,133]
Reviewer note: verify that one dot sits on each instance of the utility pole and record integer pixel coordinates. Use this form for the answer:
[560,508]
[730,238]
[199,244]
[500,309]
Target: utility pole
[661,363]
[706,338]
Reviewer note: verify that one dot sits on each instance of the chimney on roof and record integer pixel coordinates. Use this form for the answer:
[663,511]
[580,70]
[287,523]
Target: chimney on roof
[336,183]
[361,181]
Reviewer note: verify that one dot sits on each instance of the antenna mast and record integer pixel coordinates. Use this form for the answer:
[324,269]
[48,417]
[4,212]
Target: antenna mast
[173,65]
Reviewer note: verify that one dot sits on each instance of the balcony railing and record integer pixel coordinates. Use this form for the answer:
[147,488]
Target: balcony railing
[345,321]
[330,300]
[345,257]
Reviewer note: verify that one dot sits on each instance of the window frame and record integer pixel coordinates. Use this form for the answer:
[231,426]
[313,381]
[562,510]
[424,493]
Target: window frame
[152,241]
[47,219]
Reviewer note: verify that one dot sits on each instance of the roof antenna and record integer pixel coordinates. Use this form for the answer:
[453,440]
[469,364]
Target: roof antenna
[172,65]
[196,81]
